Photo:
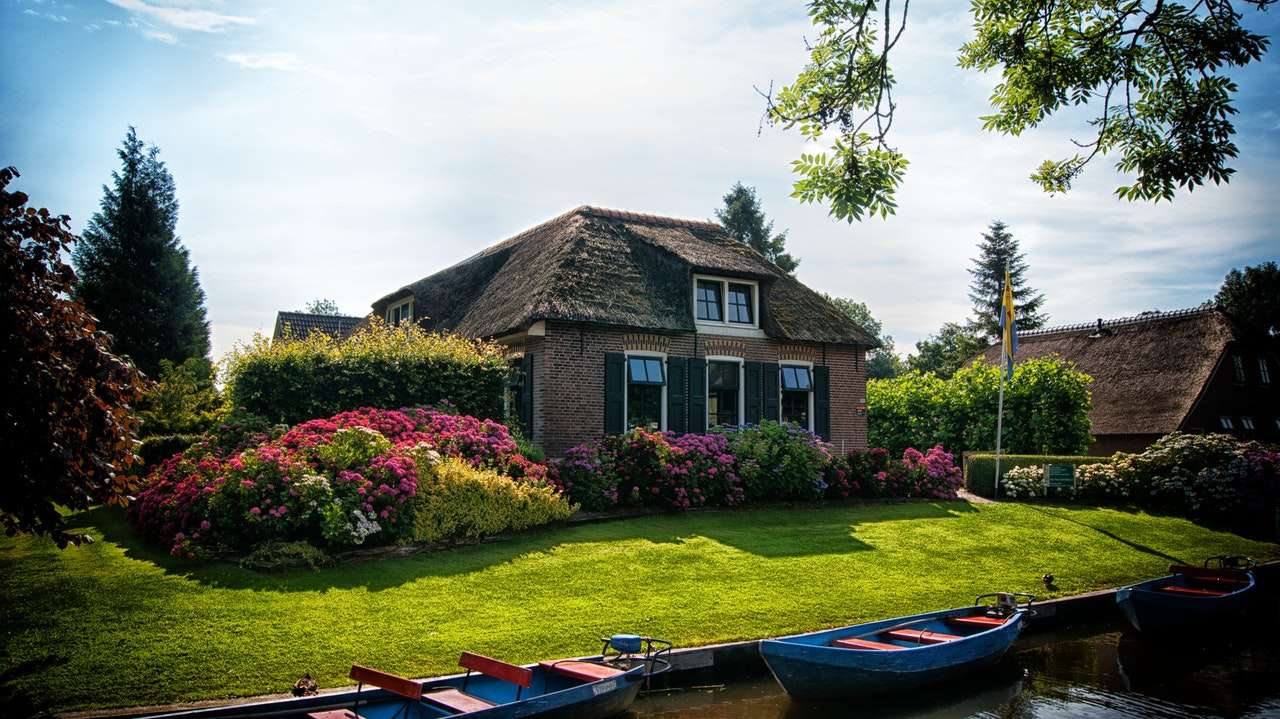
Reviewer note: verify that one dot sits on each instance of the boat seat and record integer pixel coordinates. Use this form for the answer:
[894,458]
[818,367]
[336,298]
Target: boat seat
[407,688]
[979,621]
[922,636]
[1191,591]
[863,644]
[1207,574]
[582,671]
[457,701]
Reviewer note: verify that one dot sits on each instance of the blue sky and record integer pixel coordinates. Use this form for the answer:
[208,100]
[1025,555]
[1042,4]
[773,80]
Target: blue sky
[345,150]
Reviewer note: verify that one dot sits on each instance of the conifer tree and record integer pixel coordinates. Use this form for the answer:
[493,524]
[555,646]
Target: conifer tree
[743,218]
[997,248]
[134,274]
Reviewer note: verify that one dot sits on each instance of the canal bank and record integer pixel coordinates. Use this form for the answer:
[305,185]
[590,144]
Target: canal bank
[735,662]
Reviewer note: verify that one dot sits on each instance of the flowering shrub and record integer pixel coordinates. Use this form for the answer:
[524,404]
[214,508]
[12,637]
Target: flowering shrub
[779,461]
[1102,481]
[701,466]
[342,481]
[1024,482]
[586,475]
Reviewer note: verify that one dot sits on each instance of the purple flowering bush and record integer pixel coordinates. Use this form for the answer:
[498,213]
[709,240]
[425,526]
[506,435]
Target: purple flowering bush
[343,481]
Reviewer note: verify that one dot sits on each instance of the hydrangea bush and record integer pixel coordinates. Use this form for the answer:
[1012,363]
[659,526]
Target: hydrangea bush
[1025,481]
[344,481]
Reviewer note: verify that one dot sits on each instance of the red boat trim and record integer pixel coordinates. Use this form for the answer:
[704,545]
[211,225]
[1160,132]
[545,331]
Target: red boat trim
[582,671]
[922,636]
[863,644]
[1191,591]
[979,621]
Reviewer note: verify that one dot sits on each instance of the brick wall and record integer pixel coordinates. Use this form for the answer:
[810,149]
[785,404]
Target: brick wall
[569,376]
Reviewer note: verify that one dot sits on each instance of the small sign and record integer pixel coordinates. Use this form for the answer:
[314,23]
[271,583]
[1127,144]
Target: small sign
[1060,476]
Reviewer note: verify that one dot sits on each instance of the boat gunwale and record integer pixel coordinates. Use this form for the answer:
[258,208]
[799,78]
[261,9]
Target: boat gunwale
[1152,587]
[1012,623]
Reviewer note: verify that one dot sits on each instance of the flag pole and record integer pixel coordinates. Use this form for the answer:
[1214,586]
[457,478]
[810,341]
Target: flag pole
[999,419]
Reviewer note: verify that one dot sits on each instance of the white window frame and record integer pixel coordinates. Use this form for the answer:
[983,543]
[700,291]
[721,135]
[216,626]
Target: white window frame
[1264,370]
[742,386]
[1246,422]
[1225,422]
[626,381]
[724,322]
[407,316]
[812,391]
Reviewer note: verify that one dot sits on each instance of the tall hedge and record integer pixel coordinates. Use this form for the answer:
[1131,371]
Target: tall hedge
[293,380]
[1046,409]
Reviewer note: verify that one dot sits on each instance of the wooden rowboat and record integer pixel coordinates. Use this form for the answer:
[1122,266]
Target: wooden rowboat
[1199,599]
[592,688]
[895,654]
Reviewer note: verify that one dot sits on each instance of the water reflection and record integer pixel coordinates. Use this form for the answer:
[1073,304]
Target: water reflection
[1099,672]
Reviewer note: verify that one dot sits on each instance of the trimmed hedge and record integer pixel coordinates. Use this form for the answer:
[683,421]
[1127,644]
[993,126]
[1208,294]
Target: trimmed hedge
[158,448]
[291,380]
[456,500]
[980,467]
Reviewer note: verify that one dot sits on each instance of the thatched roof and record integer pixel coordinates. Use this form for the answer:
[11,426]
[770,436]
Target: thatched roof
[615,268]
[1147,370]
[301,324]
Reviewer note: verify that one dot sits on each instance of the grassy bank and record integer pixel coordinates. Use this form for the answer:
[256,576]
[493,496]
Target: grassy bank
[118,623]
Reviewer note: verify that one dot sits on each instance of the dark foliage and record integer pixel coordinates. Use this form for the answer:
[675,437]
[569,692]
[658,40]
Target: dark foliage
[66,428]
[156,449]
[744,219]
[1252,300]
[135,275]
[997,250]
[946,352]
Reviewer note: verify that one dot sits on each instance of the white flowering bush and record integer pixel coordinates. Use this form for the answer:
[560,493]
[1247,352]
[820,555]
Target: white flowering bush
[1102,481]
[1024,482]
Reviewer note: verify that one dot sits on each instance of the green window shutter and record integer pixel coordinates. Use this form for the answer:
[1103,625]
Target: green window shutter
[526,394]
[769,378]
[697,395]
[822,402]
[751,393]
[615,392]
[676,398]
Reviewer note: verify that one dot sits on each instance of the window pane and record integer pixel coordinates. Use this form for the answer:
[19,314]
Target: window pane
[708,297]
[740,304]
[644,406]
[654,373]
[722,407]
[636,368]
[722,375]
[796,378]
[1237,363]
[1246,422]
[1226,422]
[795,408]
[1264,371]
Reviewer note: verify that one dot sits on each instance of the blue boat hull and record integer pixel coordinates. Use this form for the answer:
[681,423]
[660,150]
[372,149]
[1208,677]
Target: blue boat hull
[809,669]
[550,697]
[1153,612]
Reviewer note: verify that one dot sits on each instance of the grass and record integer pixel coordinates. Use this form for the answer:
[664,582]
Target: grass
[119,623]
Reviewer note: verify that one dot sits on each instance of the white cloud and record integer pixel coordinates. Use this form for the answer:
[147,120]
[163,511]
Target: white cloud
[167,38]
[184,18]
[283,61]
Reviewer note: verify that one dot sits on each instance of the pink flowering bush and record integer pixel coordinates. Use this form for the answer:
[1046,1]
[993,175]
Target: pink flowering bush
[343,481]
[929,475]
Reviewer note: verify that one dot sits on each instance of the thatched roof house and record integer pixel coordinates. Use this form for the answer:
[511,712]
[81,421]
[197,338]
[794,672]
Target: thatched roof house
[1161,372]
[620,319]
[300,325]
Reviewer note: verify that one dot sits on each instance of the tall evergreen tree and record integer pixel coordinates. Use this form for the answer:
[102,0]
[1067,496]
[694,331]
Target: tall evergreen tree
[135,275]
[744,219]
[997,248]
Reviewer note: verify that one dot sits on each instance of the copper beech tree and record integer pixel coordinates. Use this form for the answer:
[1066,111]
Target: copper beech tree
[66,425]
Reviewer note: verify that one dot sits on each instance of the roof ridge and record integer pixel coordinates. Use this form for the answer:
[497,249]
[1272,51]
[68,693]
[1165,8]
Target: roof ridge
[303,313]
[628,215]
[1149,316]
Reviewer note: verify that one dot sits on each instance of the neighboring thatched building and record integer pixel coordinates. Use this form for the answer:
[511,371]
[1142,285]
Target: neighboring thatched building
[618,319]
[1161,372]
[301,324]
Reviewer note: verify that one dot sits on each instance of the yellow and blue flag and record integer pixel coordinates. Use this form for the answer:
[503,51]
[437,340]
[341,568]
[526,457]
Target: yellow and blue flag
[1008,328]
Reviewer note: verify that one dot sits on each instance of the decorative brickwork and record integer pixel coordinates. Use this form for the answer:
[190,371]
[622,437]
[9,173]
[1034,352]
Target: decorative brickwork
[646,342]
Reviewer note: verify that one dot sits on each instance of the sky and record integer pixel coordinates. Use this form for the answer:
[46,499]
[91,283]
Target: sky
[345,150]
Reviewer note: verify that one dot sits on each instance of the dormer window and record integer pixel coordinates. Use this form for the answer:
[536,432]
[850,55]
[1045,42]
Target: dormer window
[402,312]
[725,302]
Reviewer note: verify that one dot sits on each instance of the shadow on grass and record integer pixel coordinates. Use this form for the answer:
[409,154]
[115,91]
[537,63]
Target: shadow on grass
[1104,532]
[16,701]
[768,533]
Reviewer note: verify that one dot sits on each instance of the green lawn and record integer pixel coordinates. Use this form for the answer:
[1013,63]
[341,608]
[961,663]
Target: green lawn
[118,623]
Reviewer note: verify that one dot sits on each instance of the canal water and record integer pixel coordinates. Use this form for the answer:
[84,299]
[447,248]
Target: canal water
[1101,672]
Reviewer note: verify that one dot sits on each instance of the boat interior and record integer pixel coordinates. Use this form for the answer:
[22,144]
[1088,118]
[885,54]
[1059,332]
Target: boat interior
[488,683]
[925,632]
[1205,582]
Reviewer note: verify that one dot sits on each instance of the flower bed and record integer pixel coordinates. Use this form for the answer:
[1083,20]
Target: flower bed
[768,462]
[349,480]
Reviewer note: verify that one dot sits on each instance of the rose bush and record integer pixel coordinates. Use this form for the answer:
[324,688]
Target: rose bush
[342,481]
